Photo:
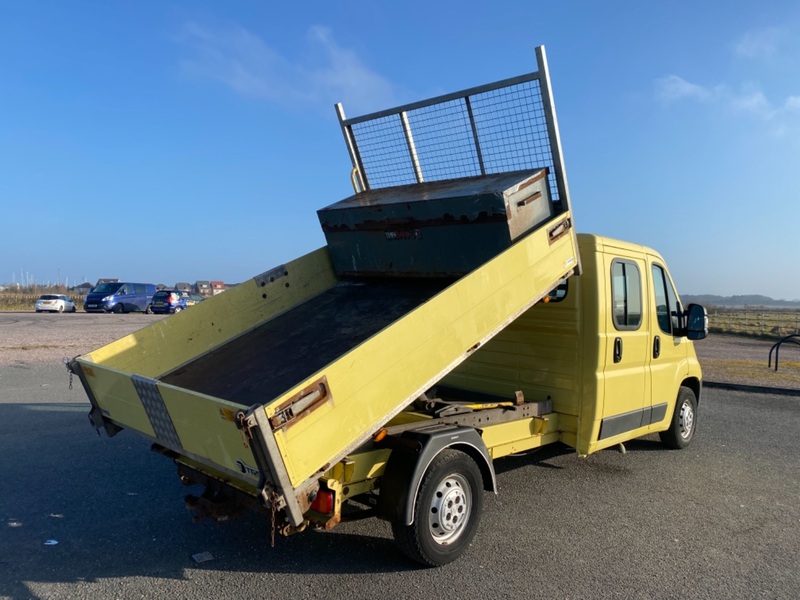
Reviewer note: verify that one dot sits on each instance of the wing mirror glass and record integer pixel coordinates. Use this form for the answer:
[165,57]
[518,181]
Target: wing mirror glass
[696,322]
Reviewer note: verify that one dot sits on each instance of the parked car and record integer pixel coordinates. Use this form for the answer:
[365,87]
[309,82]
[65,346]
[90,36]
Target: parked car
[54,303]
[120,297]
[173,301]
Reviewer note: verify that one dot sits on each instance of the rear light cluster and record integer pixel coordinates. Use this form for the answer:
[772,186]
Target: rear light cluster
[323,503]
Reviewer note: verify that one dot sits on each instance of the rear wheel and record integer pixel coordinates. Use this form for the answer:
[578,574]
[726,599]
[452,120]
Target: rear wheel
[684,421]
[148,310]
[178,309]
[61,308]
[447,511]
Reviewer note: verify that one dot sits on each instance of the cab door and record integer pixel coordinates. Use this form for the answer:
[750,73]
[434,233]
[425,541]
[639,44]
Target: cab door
[668,352]
[626,375]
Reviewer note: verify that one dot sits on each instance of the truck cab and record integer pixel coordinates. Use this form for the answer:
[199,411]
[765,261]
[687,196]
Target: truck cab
[611,350]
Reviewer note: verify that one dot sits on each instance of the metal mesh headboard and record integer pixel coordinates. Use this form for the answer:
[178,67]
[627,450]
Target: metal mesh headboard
[508,125]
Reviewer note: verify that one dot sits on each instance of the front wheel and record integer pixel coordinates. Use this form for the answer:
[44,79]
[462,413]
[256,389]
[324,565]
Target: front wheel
[447,511]
[119,308]
[684,421]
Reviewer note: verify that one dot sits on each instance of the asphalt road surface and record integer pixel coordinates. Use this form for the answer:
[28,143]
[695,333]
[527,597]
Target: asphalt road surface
[84,516]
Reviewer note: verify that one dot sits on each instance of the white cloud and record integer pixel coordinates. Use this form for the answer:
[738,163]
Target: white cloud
[244,62]
[672,87]
[761,43]
[748,99]
[792,104]
[745,99]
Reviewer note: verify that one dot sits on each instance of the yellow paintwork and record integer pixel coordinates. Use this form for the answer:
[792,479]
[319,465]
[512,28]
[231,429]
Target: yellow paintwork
[169,343]
[557,350]
[369,384]
[518,436]
[204,424]
[563,350]
[380,377]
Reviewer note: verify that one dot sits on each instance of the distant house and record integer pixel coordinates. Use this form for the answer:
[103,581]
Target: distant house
[107,280]
[217,287]
[83,288]
[203,287]
[183,286]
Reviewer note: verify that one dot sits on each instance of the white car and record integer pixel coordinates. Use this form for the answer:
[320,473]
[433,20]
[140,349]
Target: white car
[54,303]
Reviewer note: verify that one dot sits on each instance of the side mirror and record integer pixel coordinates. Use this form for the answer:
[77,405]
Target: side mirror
[696,322]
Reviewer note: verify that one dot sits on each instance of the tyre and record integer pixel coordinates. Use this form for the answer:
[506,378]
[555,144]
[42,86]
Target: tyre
[119,308]
[148,310]
[61,308]
[178,309]
[684,421]
[447,511]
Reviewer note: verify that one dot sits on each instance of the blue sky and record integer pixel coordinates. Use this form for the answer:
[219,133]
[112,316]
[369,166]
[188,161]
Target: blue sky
[175,141]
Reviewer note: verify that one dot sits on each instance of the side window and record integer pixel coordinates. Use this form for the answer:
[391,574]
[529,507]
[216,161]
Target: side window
[626,294]
[139,288]
[666,301]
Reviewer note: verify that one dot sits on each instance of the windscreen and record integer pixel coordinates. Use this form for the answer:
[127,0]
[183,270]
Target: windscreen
[106,288]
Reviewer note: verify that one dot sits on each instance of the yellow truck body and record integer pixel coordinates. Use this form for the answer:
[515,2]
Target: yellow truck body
[447,323]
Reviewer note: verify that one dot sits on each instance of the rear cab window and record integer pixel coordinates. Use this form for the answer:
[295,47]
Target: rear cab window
[626,294]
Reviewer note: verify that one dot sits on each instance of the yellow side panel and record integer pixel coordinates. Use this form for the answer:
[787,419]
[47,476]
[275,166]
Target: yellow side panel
[374,381]
[206,429]
[117,398]
[205,426]
[368,384]
[171,342]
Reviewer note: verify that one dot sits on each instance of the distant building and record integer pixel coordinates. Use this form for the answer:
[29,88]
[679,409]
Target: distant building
[183,286]
[217,287]
[203,287]
[107,280]
[83,288]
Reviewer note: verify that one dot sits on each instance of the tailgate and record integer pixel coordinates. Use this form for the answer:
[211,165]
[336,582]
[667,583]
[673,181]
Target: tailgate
[199,427]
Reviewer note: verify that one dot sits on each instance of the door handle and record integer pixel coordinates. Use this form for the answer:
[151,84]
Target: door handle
[656,347]
[617,349]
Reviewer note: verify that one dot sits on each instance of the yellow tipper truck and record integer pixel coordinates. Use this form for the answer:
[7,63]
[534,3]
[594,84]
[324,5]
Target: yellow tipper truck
[453,317]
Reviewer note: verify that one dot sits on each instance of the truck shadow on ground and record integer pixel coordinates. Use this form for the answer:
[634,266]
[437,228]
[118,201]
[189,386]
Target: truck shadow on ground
[116,510]
[86,508]
[548,457]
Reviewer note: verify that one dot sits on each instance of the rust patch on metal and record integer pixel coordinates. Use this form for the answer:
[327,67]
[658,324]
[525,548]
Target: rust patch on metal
[559,230]
[541,174]
[228,414]
[302,404]
[535,196]
[388,225]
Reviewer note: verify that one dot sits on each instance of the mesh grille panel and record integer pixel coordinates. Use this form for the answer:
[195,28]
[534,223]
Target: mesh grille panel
[510,133]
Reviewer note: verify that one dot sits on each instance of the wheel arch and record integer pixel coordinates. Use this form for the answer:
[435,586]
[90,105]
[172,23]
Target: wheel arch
[412,454]
[694,384]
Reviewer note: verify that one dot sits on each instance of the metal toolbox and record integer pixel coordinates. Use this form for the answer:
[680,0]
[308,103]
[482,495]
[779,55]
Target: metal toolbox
[434,229]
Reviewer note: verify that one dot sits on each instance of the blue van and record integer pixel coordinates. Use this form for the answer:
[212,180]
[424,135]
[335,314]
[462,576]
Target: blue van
[120,297]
